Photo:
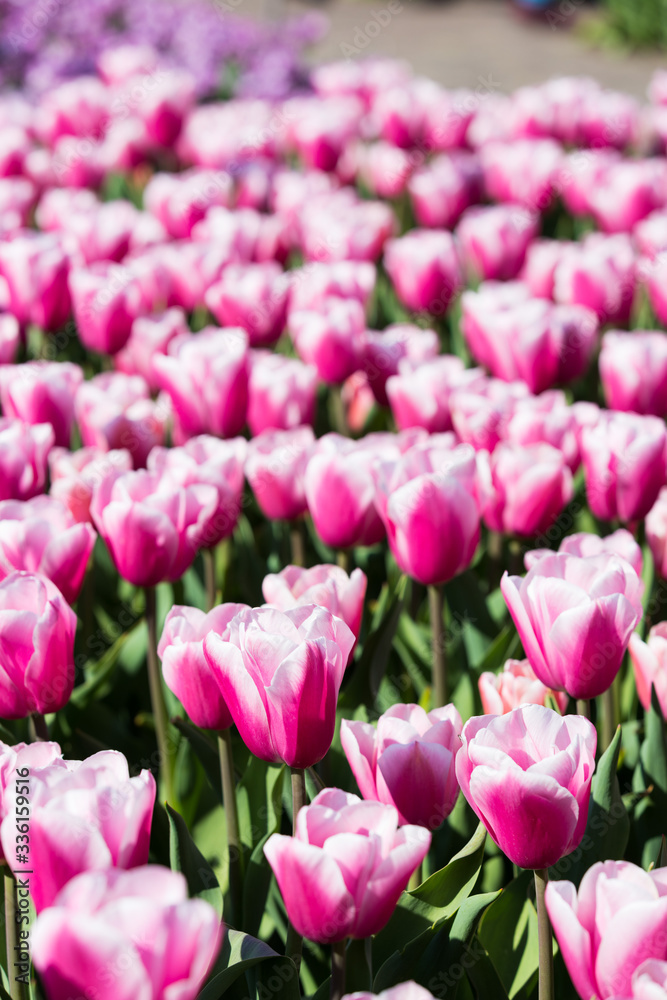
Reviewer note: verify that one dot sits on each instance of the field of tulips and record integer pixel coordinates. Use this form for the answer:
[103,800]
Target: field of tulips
[333,494]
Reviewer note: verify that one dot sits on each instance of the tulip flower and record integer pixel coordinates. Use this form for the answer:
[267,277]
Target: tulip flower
[494,240]
[279,673]
[276,468]
[575,617]
[74,475]
[598,273]
[522,490]
[330,339]
[523,171]
[106,299]
[625,464]
[330,896]
[150,335]
[656,533]
[37,642]
[527,776]
[419,395]
[404,991]
[24,450]
[482,411]
[36,267]
[408,761]
[649,661]
[342,279]
[653,274]
[41,536]
[611,932]
[151,526]
[545,419]
[515,685]
[206,377]
[281,392]
[326,586]
[10,335]
[542,259]
[115,411]
[384,351]
[339,226]
[42,392]
[95,937]
[583,543]
[442,189]
[425,270]
[633,371]
[93,816]
[253,297]
[180,200]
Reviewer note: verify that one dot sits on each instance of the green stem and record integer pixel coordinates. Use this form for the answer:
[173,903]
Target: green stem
[436,604]
[343,559]
[158,703]
[608,717]
[17,989]
[297,543]
[39,730]
[294,942]
[231,819]
[545,946]
[584,707]
[337,970]
[208,556]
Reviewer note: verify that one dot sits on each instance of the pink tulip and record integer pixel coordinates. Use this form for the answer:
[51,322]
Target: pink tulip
[545,419]
[425,270]
[625,464]
[404,991]
[74,475]
[575,617]
[326,586]
[179,201]
[382,167]
[42,392]
[542,259]
[24,450]
[408,761]
[152,527]
[340,491]
[318,128]
[524,171]
[481,412]
[656,533]
[619,543]
[339,227]
[126,935]
[649,661]
[633,371]
[627,192]
[494,240]
[431,514]
[186,670]
[41,536]
[207,460]
[514,686]
[98,232]
[114,411]
[34,756]
[35,267]
[254,297]
[106,300]
[37,643]
[444,188]
[87,817]
[331,895]
[150,335]
[527,776]
[17,199]
[331,338]
[75,107]
[358,401]
[16,147]
[384,350]
[420,395]
[653,275]
[598,273]
[344,279]
[523,489]
[10,335]
[280,673]
[276,469]
[206,377]
[166,104]
[650,236]
[611,932]
[281,392]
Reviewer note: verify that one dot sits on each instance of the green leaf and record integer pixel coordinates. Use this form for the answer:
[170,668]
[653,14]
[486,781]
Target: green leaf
[205,750]
[258,872]
[508,932]
[445,889]
[239,953]
[99,674]
[608,825]
[186,857]
[371,665]
[258,799]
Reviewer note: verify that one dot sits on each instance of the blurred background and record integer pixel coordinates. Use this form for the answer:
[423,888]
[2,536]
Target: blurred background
[262,47]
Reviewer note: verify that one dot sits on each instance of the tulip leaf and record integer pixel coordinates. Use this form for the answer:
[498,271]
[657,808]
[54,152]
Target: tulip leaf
[185,857]
[608,825]
[259,798]
[240,953]
[508,932]
[258,874]
[370,667]
[205,751]
[445,889]
[650,776]
[99,674]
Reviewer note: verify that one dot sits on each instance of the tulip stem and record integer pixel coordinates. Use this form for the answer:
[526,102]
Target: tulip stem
[584,707]
[337,970]
[17,989]
[208,556]
[294,943]
[343,559]
[436,603]
[158,703]
[545,946]
[38,727]
[232,821]
[608,717]
[297,543]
